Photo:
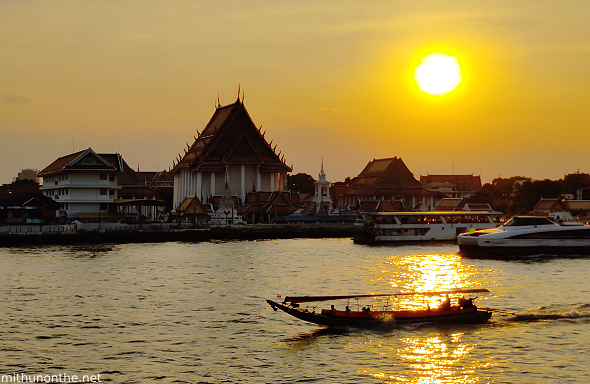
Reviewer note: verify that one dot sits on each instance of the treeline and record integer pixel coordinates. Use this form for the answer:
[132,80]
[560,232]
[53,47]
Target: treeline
[520,195]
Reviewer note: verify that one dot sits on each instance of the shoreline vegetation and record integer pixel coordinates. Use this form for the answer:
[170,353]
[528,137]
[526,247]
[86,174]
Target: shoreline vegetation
[37,235]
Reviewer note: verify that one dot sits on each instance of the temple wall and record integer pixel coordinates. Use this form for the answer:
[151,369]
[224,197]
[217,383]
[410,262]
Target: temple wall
[250,178]
[265,181]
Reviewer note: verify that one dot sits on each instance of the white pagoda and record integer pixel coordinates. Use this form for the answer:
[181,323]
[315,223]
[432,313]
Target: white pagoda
[322,200]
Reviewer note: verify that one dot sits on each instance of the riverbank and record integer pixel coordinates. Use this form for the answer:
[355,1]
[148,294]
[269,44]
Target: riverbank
[157,234]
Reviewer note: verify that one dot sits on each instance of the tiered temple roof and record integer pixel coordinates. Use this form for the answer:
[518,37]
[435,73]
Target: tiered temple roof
[231,137]
[385,177]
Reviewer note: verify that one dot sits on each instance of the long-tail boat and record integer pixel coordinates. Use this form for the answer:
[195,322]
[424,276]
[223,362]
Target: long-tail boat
[453,309]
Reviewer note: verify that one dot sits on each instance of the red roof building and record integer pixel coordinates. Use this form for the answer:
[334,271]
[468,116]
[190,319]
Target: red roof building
[230,144]
[387,179]
[264,207]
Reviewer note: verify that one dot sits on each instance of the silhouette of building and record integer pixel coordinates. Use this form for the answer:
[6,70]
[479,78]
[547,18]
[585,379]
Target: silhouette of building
[229,144]
[385,180]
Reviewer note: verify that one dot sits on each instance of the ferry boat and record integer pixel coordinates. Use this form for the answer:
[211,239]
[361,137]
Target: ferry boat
[452,309]
[527,235]
[378,227]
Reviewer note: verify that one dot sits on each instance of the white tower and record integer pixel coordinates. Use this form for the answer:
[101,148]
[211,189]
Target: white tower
[321,199]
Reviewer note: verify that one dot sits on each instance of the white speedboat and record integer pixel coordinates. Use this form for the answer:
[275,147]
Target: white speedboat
[527,235]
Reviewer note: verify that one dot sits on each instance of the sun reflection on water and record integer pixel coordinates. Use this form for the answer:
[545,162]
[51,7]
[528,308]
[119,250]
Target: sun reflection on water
[423,273]
[435,359]
[433,356]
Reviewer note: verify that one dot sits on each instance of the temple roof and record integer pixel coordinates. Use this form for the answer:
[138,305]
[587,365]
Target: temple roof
[385,176]
[231,137]
[277,202]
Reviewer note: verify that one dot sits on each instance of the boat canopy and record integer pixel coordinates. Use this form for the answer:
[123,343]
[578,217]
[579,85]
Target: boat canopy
[309,299]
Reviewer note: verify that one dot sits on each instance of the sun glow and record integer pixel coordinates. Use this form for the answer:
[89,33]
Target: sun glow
[438,74]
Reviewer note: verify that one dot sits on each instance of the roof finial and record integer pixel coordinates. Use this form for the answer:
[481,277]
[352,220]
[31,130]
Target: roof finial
[238,93]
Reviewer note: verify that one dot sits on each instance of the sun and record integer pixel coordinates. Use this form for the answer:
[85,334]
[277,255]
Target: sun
[438,74]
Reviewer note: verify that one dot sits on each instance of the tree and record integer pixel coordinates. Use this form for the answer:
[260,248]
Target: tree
[530,193]
[24,182]
[301,182]
[574,181]
[488,191]
[507,186]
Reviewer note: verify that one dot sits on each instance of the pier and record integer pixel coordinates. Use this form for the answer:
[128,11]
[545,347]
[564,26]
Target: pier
[162,232]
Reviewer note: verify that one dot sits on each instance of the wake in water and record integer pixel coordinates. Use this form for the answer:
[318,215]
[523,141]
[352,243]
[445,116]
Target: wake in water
[545,313]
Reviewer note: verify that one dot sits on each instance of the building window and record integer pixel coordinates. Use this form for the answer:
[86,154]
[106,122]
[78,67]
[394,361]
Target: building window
[103,206]
[111,192]
[103,176]
[112,178]
[103,191]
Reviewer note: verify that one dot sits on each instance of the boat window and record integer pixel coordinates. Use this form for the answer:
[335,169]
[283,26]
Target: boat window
[420,219]
[453,219]
[519,221]
[433,220]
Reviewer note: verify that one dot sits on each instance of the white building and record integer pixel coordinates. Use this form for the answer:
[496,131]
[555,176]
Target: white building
[321,199]
[230,144]
[84,183]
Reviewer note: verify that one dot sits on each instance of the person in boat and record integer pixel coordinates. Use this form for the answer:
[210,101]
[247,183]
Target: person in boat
[447,303]
[347,309]
[367,310]
[332,309]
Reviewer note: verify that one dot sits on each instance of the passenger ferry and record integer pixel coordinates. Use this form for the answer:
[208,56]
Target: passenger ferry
[377,227]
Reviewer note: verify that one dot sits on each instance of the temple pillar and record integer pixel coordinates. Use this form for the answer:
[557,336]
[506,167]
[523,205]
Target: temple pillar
[212,183]
[243,181]
[258,180]
[198,191]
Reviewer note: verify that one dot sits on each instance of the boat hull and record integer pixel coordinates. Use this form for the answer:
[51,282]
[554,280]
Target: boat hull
[502,244]
[384,320]
[507,251]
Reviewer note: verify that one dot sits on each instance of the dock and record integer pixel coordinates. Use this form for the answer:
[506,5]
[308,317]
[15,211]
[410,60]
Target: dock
[158,233]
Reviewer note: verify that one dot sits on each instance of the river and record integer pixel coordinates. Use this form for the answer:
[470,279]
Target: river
[195,313]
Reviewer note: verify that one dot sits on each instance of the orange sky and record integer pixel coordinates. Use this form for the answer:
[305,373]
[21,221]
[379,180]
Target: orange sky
[331,79]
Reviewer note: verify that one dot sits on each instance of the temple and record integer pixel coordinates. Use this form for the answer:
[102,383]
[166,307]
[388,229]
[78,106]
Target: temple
[231,145]
[385,180]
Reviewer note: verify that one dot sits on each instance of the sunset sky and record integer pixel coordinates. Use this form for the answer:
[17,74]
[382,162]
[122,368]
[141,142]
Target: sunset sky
[331,79]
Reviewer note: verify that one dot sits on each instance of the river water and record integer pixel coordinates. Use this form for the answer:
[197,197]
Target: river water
[195,313]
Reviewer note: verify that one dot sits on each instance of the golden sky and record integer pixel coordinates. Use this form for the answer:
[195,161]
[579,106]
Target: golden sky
[331,79]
